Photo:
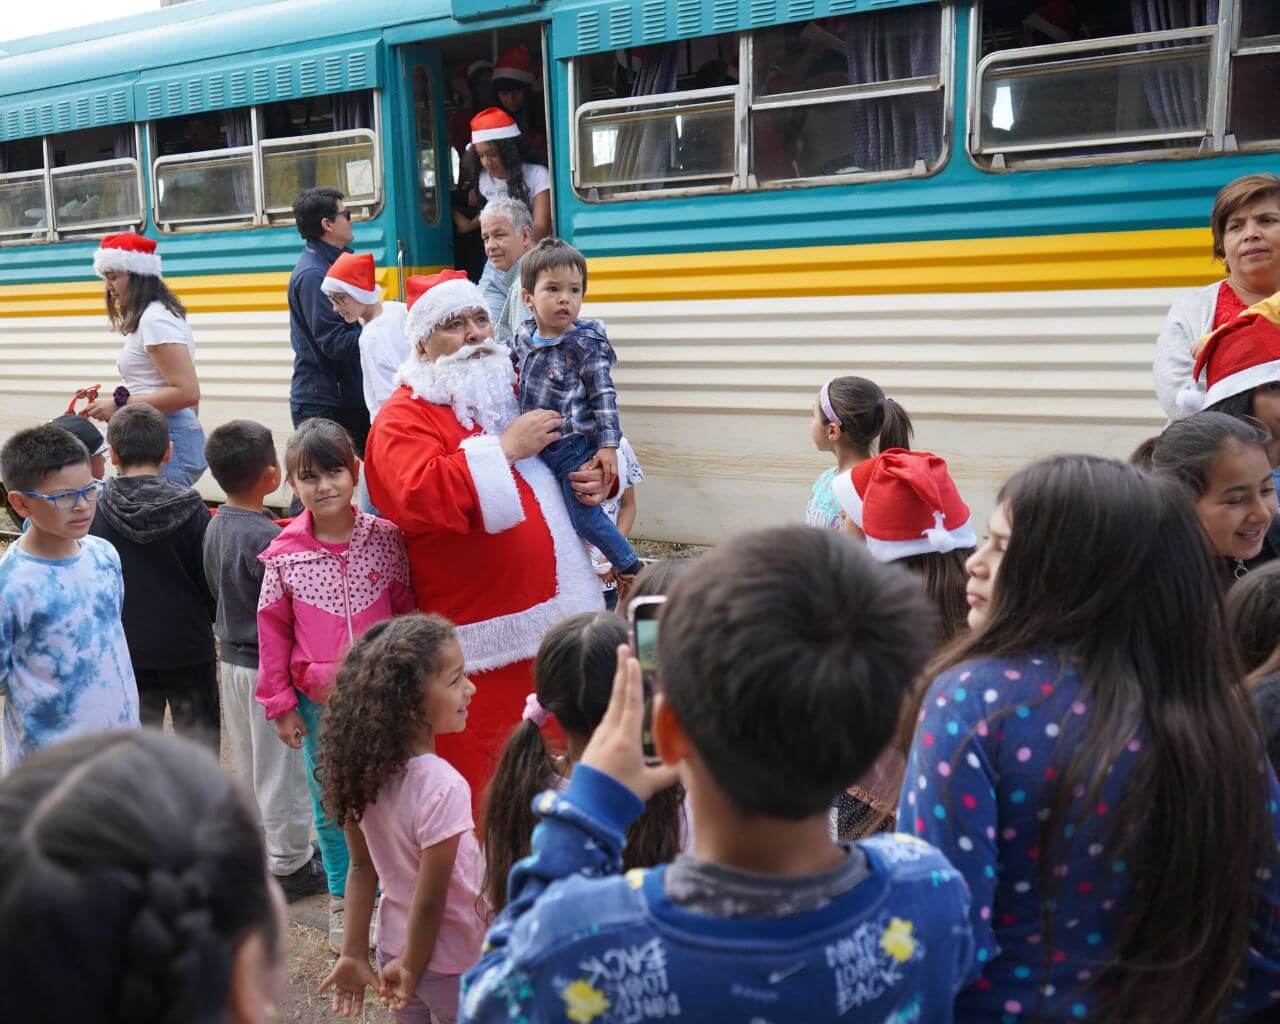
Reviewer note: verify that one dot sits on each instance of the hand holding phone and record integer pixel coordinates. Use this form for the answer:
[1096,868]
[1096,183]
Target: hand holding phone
[643,614]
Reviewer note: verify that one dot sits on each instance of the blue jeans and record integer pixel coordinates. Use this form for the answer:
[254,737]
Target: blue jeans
[333,844]
[187,464]
[590,522]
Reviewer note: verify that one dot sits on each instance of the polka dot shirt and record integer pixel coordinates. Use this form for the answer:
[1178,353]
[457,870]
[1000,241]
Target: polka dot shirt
[993,738]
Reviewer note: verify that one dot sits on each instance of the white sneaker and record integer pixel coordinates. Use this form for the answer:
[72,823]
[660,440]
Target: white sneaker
[337,918]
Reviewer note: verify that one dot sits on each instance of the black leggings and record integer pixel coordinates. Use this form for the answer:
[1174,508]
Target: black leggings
[192,695]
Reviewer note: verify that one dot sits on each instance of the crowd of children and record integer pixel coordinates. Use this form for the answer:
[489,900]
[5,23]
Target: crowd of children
[1071,723]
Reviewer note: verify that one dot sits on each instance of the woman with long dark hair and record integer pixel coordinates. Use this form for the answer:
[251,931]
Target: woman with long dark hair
[495,138]
[1088,760]
[157,362]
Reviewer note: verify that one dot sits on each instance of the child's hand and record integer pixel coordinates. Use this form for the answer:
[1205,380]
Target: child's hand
[607,458]
[397,985]
[348,979]
[615,745]
[290,728]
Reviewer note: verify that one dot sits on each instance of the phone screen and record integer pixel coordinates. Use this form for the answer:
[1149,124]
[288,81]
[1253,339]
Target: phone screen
[647,648]
[644,642]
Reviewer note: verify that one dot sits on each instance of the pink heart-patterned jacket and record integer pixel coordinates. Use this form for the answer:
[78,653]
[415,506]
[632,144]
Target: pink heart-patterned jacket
[314,603]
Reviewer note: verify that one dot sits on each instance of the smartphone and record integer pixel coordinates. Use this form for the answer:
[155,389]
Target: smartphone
[643,614]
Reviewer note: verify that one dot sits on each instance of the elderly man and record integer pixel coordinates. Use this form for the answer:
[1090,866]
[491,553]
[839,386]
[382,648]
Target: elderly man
[507,229]
[453,464]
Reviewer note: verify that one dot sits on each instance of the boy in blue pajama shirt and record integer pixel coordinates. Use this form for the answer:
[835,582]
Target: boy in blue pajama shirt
[563,365]
[768,919]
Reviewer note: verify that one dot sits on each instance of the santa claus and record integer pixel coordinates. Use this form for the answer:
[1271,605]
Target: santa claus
[453,464]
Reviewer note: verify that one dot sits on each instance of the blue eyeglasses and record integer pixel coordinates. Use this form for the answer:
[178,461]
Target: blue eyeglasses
[67,500]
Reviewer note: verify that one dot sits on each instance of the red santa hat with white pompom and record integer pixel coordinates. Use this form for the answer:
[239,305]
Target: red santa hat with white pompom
[493,124]
[432,300]
[127,253]
[906,504]
[1239,356]
[354,274]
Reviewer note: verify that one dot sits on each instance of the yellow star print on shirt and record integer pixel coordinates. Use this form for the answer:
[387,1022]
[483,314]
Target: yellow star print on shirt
[896,940]
[583,1002]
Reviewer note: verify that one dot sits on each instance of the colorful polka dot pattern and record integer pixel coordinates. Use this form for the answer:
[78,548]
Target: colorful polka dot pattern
[992,741]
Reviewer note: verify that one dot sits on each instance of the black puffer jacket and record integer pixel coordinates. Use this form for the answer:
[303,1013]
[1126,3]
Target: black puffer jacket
[158,528]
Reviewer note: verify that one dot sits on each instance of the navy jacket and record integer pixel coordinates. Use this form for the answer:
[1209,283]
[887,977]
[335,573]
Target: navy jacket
[326,349]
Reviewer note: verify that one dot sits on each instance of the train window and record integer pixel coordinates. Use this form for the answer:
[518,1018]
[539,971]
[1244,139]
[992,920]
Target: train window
[854,95]
[23,204]
[424,117]
[1255,76]
[1128,79]
[203,174]
[96,180]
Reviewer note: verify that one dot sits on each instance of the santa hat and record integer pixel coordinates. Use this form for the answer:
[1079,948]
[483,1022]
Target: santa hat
[352,274]
[128,252]
[493,124]
[432,300]
[1055,19]
[905,503]
[476,66]
[1239,356]
[514,65]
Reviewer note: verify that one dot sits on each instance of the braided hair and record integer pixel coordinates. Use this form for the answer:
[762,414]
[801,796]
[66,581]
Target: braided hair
[131,870]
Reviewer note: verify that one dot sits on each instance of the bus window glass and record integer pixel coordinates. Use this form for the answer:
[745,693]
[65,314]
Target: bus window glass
[853,95]
[1260,20]
[203,171]
[22,199]
[424,119]
[1255,76]
[95,180]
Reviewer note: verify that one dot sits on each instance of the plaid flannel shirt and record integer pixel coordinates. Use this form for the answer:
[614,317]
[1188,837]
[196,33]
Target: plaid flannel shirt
[570,375]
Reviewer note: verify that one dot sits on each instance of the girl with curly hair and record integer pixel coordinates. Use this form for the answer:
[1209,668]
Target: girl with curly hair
[573,679]
[407,817]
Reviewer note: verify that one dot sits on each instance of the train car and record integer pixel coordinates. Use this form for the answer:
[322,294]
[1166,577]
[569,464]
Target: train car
[984,205]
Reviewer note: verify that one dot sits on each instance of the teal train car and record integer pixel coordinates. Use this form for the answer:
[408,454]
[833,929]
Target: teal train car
[983,209]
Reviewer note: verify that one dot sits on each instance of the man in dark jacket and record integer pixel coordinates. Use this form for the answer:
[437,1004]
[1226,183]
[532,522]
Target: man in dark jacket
[158,528]
[326,349]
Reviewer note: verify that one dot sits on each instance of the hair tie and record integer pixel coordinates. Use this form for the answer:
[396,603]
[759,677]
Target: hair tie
[824,399]
[880,403]
[534,711]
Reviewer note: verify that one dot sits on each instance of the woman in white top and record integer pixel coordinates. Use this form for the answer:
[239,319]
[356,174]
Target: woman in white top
[1246,237]
[504,173]
[157,362]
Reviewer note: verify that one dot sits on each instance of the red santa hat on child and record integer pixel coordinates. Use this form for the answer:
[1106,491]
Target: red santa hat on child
[1239,356]
[906,504]
[492,124]
[129,253]
[352,274]
[515,66]
[432,300]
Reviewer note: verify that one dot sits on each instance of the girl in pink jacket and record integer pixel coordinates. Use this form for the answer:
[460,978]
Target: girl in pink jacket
[330,575]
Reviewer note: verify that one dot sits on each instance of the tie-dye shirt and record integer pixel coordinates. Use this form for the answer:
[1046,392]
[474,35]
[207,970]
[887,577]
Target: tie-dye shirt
[64,662]
[993,740]
[823,509]
[581,942]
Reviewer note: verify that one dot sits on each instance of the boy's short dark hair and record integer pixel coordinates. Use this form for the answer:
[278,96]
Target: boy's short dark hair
[318,443]
[786,655]
[139,435]
[31,455]
[312,206]
[550,254]
[238,453]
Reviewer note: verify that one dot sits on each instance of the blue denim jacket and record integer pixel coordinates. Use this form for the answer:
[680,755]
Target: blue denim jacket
[570,375]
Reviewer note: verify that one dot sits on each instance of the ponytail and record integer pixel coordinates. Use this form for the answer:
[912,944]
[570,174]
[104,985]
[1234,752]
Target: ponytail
[866,415]
[895,431]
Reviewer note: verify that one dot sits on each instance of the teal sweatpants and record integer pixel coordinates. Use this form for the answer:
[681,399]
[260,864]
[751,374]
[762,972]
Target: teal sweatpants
[333,844]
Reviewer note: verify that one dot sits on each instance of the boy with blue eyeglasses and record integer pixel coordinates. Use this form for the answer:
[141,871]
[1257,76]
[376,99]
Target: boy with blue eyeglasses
[64,662]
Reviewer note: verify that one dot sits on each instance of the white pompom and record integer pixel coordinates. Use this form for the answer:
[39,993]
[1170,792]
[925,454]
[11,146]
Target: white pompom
[939,537]
[1191,399]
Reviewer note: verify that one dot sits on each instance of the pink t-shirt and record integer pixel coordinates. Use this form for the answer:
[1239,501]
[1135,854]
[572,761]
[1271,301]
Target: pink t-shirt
[426,804]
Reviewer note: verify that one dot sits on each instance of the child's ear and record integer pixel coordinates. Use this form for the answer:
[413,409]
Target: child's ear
[115,459]
[668,734]
[18,503]
[355,473]
[168,453]
[272,474]
[526,296]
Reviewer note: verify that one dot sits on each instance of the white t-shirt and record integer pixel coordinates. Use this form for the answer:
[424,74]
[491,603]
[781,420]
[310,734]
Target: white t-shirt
[535,177]
[383,347]
[156,326]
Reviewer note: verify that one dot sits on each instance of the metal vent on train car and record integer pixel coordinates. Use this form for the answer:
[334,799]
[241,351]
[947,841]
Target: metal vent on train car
[333,73]
[801,9]
[844,6]
[30,121]
[217,91]
[155,101]
[588,31]
[653,21]
[195,94]
[62,116]
[261,83]
[284,79]
[620,26]
[173,97]
[763,12]
[688,17]
[46,119]
[357,71]
[724,15]
[102,108]
[239,88]
[11,123]
[308,76]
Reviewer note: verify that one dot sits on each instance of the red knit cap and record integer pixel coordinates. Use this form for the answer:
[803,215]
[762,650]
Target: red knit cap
[128,252]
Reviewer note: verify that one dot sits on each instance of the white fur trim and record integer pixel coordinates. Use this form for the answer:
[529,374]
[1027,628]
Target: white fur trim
[506,639]
[513,75]
[145,264]
[1245,380]
[962,537]
[506,131]
[438,304]
[495,484]
[1045,27]
[334,285]
[842,487]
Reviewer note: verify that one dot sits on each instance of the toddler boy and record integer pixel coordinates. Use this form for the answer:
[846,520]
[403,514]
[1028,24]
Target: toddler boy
[242,457]
[783,661]
[564,364]
[64,660]
[157,526]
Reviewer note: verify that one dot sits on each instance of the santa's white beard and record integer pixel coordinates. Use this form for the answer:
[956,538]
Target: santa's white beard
[479,390]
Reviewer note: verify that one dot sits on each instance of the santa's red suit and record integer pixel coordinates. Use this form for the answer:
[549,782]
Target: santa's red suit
[490,547]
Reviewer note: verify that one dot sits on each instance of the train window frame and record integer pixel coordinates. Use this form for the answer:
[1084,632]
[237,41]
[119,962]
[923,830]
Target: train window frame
[431,144]
[263,216]
[52,232]
[1247,47]
[746,104]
